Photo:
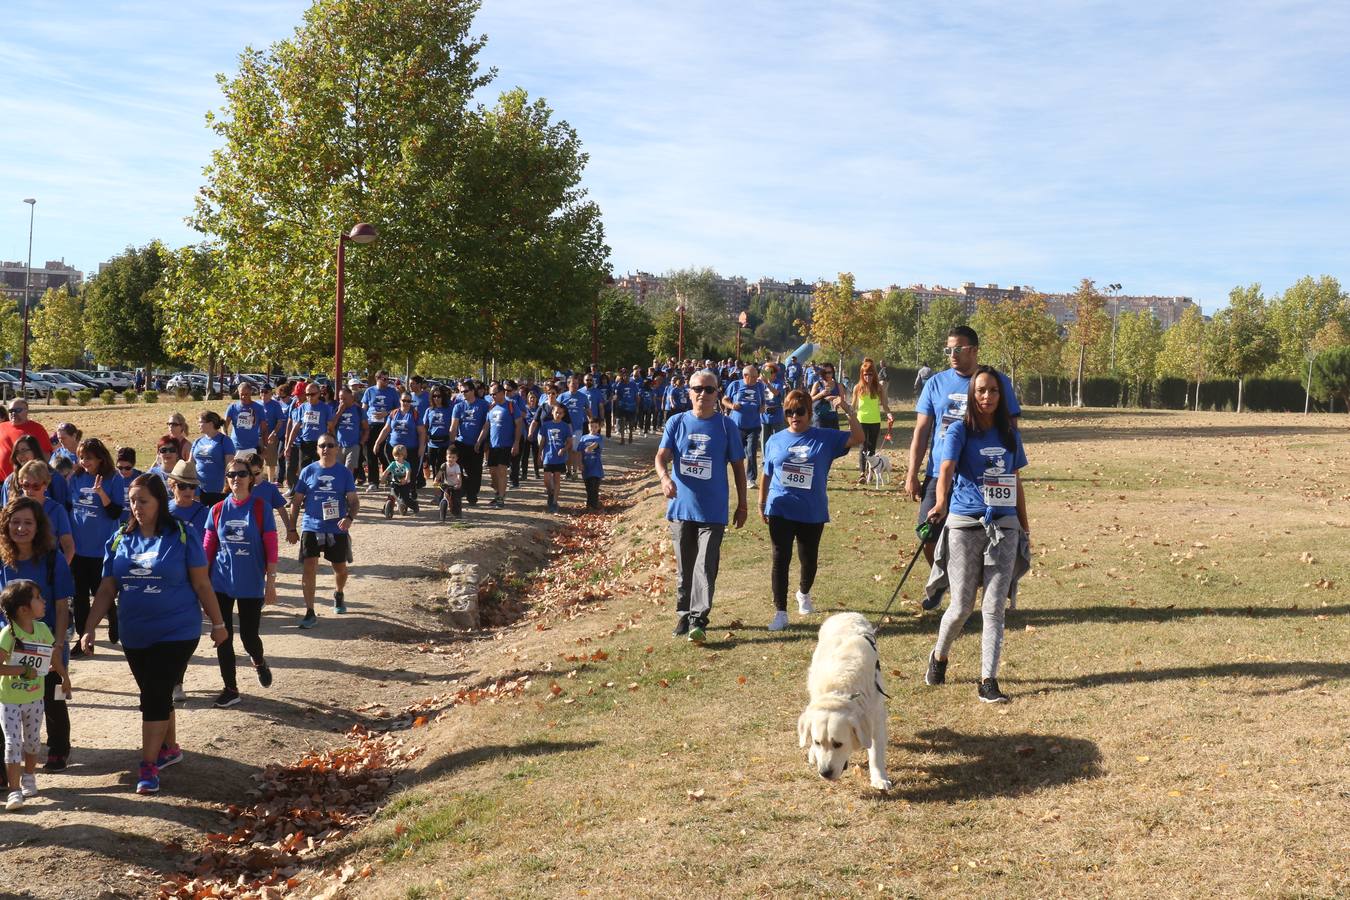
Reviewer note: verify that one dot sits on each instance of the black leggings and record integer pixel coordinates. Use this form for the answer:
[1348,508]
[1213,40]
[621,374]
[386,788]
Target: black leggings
[88,572]
[375,462]
[782,532]
[592,493]
[871,433]
[471,461]
[250,618]
[157,669]
[436,460]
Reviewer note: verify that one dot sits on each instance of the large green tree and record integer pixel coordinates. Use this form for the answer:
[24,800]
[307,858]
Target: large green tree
[1331,376]
[705,313]
[1298,314]
[122,318]
[899,324]
[1183,350]
[1014,332]
[1241,343]
[1090,325]
[841,322]
[624,330]
[1138,343]
[57,327]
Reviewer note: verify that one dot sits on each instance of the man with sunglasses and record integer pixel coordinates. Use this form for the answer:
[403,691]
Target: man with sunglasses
[943,402]
[696,447]
[17,426]
[744,401]
[313,419]
[245,418]
[323,507]
[378,402]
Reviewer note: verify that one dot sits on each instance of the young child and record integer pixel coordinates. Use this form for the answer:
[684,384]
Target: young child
[25,656]
[450,479]
[555,440]
[592,469]
[400,475]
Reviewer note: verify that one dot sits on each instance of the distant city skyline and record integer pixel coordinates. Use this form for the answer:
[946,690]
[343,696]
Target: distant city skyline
[1176,151]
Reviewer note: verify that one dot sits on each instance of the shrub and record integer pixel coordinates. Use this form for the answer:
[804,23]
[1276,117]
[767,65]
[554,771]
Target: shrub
[62,396]
[181,392]
[108,396]
[198,394]
[83,397]
[130,395]
[151,396]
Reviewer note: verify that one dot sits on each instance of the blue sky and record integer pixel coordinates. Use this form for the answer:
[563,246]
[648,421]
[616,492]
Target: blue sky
[1174,148]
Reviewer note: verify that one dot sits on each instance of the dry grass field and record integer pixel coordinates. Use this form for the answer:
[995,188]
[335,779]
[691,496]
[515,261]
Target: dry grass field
[1179,663]
[122,424]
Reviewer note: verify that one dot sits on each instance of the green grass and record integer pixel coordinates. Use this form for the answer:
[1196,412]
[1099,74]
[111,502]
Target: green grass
[1178,726]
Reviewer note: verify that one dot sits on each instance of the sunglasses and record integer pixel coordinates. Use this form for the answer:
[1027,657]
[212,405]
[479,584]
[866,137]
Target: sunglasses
[796,411]
[237,474]
[168,451]
[952,351]
[702,389]
[30,486]
[405,400]
[328,446]
[179,486]
[125,467]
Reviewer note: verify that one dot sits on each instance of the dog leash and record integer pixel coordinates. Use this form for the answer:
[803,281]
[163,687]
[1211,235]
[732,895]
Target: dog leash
[925,533]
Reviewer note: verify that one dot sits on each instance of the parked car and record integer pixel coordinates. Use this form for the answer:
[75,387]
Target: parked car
[106,379]
[84,381]
[192,381]
[41,386]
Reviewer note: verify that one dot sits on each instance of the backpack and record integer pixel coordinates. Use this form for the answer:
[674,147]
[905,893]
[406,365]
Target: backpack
[218,509]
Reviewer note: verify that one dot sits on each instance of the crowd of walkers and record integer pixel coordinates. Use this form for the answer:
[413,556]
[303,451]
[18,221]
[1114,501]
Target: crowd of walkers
[86,537]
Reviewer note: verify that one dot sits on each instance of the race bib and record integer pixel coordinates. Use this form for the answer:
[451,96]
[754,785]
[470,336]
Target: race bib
[696,468]
[330,510]
[381,415]
[797,475]
[312,418]
[244,420]
[1000,490]
[38,656]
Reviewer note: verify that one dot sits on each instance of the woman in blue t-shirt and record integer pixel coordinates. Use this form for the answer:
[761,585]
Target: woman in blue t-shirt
[96,493]
[821,393]
[157,571]
[771,416]
[792,498]
[211,453]
[981,456]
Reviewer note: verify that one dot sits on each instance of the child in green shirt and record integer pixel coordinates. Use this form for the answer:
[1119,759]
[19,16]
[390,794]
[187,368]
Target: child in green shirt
[26,645]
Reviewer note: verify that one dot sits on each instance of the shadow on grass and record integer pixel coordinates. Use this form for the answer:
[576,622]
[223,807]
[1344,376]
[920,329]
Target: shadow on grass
[991,765]
[1018,619]
[461,759]
[1313,674]
[1067,433]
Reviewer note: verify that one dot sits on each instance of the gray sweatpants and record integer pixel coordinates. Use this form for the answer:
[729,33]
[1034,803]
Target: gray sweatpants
[966,568]
[698,551]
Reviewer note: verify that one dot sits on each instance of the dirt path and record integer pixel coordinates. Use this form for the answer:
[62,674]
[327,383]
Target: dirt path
[87,827]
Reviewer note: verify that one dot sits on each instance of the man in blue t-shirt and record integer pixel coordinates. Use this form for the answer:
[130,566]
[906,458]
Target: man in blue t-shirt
[272,430]
[467,418]
[942,402]
[323,506]
[502,437]
[625,403]
[744,401]
[350,430]
[696,447]
[246,418]
[378,402]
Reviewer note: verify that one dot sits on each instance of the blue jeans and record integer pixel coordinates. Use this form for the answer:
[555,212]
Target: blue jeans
[750,440]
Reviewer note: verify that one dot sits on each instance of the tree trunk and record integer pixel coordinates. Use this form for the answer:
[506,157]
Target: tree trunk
[210,376]
[1041,380]
[1197,395]
[1082,353]
[1239,406]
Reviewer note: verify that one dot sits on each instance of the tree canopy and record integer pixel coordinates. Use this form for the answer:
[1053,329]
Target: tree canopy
[123,322]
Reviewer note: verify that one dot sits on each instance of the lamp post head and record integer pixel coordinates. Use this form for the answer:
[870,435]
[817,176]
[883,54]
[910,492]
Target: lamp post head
[362,233]
[30,200]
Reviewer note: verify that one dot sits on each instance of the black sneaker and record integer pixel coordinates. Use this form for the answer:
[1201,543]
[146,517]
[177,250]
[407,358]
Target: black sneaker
[937,670]
[227,698]
[930,603]
[681,627]
[264,674]
[310,620]
[339,603]
[55,762]
[990,693]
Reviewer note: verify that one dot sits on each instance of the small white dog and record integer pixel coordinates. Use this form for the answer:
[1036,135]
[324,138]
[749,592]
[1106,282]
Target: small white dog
[878,468]
[847,711]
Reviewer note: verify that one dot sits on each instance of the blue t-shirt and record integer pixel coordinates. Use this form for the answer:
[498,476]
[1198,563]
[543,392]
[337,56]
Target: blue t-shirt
[595,398]
[798,469]
[794,372]
[348,431]
[194,515]
[325,492]
[471,418]
[403,429]
[772,414]
[701,448]
[240,563]
[437,423]
[626,396]
[246,422]
[209,456]
[501,425]
[314,419]
[379,402]
[677,398]
[576,403]
[59,453]
[530,414]
[155,599]
[553,438]
[944,401]
[89,522]
[986,471]
[590,447]
[421,403]
[646,398]
[272,414]
[269,493]
[52,576]
[60,519]
[751,399]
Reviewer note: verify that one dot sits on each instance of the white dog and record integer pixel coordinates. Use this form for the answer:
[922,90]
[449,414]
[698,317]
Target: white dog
[878,467]
[847,711]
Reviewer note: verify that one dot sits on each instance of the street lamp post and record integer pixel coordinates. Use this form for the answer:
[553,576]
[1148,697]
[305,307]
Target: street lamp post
[361,233]
[1307,387]
[27,280]
[679,308]
[1114,291]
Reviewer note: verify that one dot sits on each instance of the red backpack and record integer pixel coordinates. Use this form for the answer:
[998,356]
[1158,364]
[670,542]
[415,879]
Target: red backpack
[219,508]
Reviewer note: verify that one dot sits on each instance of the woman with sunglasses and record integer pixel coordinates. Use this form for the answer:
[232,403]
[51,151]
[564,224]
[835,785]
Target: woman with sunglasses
[792,498]
[211,454]
[177,426]
[25,449]
[869,396]
[126,467]
[33,480]
[96,491]
[312,419]
[403,429]
[240,541]
[823,393]
[166,457]
[182,489]
[434,434]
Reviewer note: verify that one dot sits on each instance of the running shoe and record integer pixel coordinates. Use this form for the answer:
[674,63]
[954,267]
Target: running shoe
[990,693]
[179,695]
[697,635]
[780,620]
[148,783]
[930,603]
[228,697]
[339,604]
[14,802]
[681,627]
[264,674]
[937,670]
[310,620]
[28,784]
[804,605]
[55,762]
[169,756]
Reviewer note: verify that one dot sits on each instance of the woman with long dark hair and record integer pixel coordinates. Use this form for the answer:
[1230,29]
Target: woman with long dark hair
[980,496]
[96,491]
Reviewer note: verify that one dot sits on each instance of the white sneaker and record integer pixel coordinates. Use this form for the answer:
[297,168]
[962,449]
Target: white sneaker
[804,604]
[780,620]
[14,802]
[28,784]
[179,695]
